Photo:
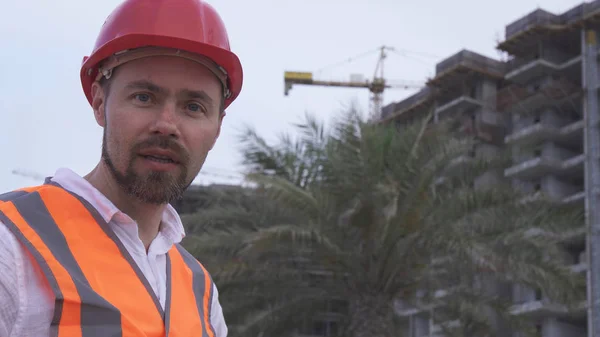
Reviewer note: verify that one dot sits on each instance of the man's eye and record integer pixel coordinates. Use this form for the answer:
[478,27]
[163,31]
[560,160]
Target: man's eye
[194,107]
[142,97]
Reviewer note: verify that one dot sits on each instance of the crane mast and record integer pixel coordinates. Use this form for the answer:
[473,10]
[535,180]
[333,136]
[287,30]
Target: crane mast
[376,85]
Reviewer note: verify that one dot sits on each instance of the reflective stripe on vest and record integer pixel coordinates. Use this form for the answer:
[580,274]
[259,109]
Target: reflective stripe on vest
[99,289]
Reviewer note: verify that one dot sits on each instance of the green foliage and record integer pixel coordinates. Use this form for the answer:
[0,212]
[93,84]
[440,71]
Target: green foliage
[360,212]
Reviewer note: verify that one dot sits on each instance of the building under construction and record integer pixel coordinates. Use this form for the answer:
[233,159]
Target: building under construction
[534,103]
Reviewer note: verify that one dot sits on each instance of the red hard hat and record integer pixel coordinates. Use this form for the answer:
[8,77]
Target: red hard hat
[189,25]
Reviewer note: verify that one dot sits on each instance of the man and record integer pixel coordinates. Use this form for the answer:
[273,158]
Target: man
[99,255]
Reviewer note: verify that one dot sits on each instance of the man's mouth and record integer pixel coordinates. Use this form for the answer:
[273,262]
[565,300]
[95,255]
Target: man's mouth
[160,156]
[160,159]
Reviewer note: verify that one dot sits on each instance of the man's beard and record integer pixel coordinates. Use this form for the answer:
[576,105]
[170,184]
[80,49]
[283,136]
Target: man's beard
[155,187]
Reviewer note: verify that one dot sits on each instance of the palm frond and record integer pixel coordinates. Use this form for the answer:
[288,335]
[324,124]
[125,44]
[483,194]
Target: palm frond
[367,213]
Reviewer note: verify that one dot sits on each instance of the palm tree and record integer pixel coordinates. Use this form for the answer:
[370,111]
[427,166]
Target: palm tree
[295,160]
[368,214]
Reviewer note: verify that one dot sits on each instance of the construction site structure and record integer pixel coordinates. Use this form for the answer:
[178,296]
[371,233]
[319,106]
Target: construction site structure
[376,85]
[29,174]
[541,103]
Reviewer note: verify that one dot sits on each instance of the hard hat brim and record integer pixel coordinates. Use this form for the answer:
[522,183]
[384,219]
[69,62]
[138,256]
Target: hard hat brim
[224,58]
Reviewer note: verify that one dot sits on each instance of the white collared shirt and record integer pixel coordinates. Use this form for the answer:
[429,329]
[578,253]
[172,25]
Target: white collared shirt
[26,299]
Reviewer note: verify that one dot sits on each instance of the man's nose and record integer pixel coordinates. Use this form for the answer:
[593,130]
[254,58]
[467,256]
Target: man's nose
[167,120]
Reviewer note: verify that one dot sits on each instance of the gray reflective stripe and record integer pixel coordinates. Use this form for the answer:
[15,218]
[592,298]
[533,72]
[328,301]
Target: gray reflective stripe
[58,303]
[98,317]
[106,228]
[199,288]
[210,301]
[167,316]
[11,195]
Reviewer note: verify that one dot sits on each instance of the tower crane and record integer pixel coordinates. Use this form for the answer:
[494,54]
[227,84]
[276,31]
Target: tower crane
[376,85]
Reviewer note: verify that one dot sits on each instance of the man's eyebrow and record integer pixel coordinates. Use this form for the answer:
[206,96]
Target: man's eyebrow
[201,94]
[189,94]
[145,85]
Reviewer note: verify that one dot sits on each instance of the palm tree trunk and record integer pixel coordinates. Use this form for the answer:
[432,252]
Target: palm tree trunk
[371,316]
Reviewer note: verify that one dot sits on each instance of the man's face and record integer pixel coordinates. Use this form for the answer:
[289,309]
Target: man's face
[161,117]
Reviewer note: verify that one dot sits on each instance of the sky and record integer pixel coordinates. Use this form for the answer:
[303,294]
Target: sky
[46,122]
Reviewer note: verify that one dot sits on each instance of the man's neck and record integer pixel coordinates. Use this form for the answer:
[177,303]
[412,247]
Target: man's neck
[147,216]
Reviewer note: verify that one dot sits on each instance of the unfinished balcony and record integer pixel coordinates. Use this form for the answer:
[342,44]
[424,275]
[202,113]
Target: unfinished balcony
[579,263]
[574,198]
[404,308]
[572,167]
[532,168]
[549,92]
[457,106]
[533,134]
[532,303]
[523,71]
[570,135]
[579,268]
[570,237]
[542,308]
[458,164]
[550,188]
[576,236]
[440,328]
[543,165]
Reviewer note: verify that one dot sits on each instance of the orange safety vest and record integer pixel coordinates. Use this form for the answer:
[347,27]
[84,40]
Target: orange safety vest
[99,289]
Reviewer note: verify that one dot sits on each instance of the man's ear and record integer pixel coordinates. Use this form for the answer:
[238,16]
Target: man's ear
[98,102]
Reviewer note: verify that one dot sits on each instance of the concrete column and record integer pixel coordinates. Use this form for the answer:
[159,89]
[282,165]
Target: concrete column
[589,43]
